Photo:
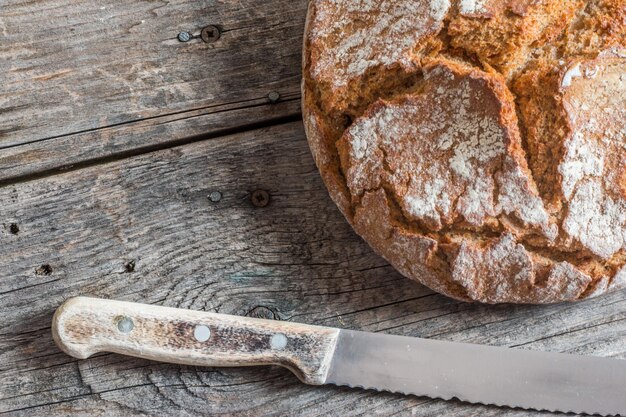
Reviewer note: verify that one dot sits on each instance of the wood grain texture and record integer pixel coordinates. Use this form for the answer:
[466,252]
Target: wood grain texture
[83,80]
[84,326]
[142,229]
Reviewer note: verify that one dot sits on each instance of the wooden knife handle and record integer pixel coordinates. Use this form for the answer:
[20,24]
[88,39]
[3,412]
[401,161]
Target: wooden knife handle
[84,326]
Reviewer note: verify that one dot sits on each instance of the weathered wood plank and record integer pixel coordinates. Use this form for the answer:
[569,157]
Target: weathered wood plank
[295,259]
[116,142]
[81,80]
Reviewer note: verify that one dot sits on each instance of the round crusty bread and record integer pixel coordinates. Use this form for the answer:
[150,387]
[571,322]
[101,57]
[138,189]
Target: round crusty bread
[477,145]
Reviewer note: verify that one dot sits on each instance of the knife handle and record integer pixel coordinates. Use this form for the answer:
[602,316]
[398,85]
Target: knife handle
[83,326]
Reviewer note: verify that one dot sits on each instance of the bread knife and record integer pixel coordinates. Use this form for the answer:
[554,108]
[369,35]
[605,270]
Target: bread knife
[500,376]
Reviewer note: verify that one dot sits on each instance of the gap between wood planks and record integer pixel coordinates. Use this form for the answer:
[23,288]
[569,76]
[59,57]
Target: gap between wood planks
[226,131]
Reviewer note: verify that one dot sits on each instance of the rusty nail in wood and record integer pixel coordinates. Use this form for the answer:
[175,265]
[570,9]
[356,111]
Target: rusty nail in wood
[184,36]
[210,34]
[215,196]
[273,97]
[260,198]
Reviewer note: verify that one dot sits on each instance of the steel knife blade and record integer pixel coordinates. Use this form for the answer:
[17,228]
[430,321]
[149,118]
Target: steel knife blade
[480,374]
[322,355]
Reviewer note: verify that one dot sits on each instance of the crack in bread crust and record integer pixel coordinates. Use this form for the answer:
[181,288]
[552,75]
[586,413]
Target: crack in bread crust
[561,263]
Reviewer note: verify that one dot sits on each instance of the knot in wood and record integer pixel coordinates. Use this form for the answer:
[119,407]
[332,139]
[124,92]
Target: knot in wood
[262,312]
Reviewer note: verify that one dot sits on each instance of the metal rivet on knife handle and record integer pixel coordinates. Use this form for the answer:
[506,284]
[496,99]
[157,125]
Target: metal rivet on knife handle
[125,325]
[202,333]
[278,341]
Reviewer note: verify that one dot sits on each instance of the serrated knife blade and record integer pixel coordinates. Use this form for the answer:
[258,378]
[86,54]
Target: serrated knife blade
[322,355]
[480,374]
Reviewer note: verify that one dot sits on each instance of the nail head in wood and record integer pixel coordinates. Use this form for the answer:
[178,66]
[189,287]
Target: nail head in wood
[215,196]
[184,36]
[273,97]
[210,34]
[260,198]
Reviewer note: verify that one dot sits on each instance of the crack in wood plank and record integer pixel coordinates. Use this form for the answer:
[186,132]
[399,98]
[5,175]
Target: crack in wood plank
[48,167]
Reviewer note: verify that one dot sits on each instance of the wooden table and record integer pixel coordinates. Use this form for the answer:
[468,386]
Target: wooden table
[113,136]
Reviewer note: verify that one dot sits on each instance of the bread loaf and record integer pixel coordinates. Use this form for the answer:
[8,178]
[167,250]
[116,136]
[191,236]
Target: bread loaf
[477,145]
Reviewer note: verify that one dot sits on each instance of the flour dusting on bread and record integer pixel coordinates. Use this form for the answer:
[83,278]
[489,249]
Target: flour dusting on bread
[352,36]
[472,6]
[594,166]
[444,153]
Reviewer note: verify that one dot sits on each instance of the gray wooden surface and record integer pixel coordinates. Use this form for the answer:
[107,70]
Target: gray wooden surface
[113,134]
[84,80]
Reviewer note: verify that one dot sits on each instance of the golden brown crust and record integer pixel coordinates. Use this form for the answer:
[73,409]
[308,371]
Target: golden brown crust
[412,254]
[351,42]
[574,112]
[501,32]
[599,25]
[461,150]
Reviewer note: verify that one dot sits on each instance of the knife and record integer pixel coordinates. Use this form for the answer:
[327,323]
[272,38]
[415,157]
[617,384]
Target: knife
[83,326]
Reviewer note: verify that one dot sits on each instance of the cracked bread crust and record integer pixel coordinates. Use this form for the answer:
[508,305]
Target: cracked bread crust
[489,168]
[501,32]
